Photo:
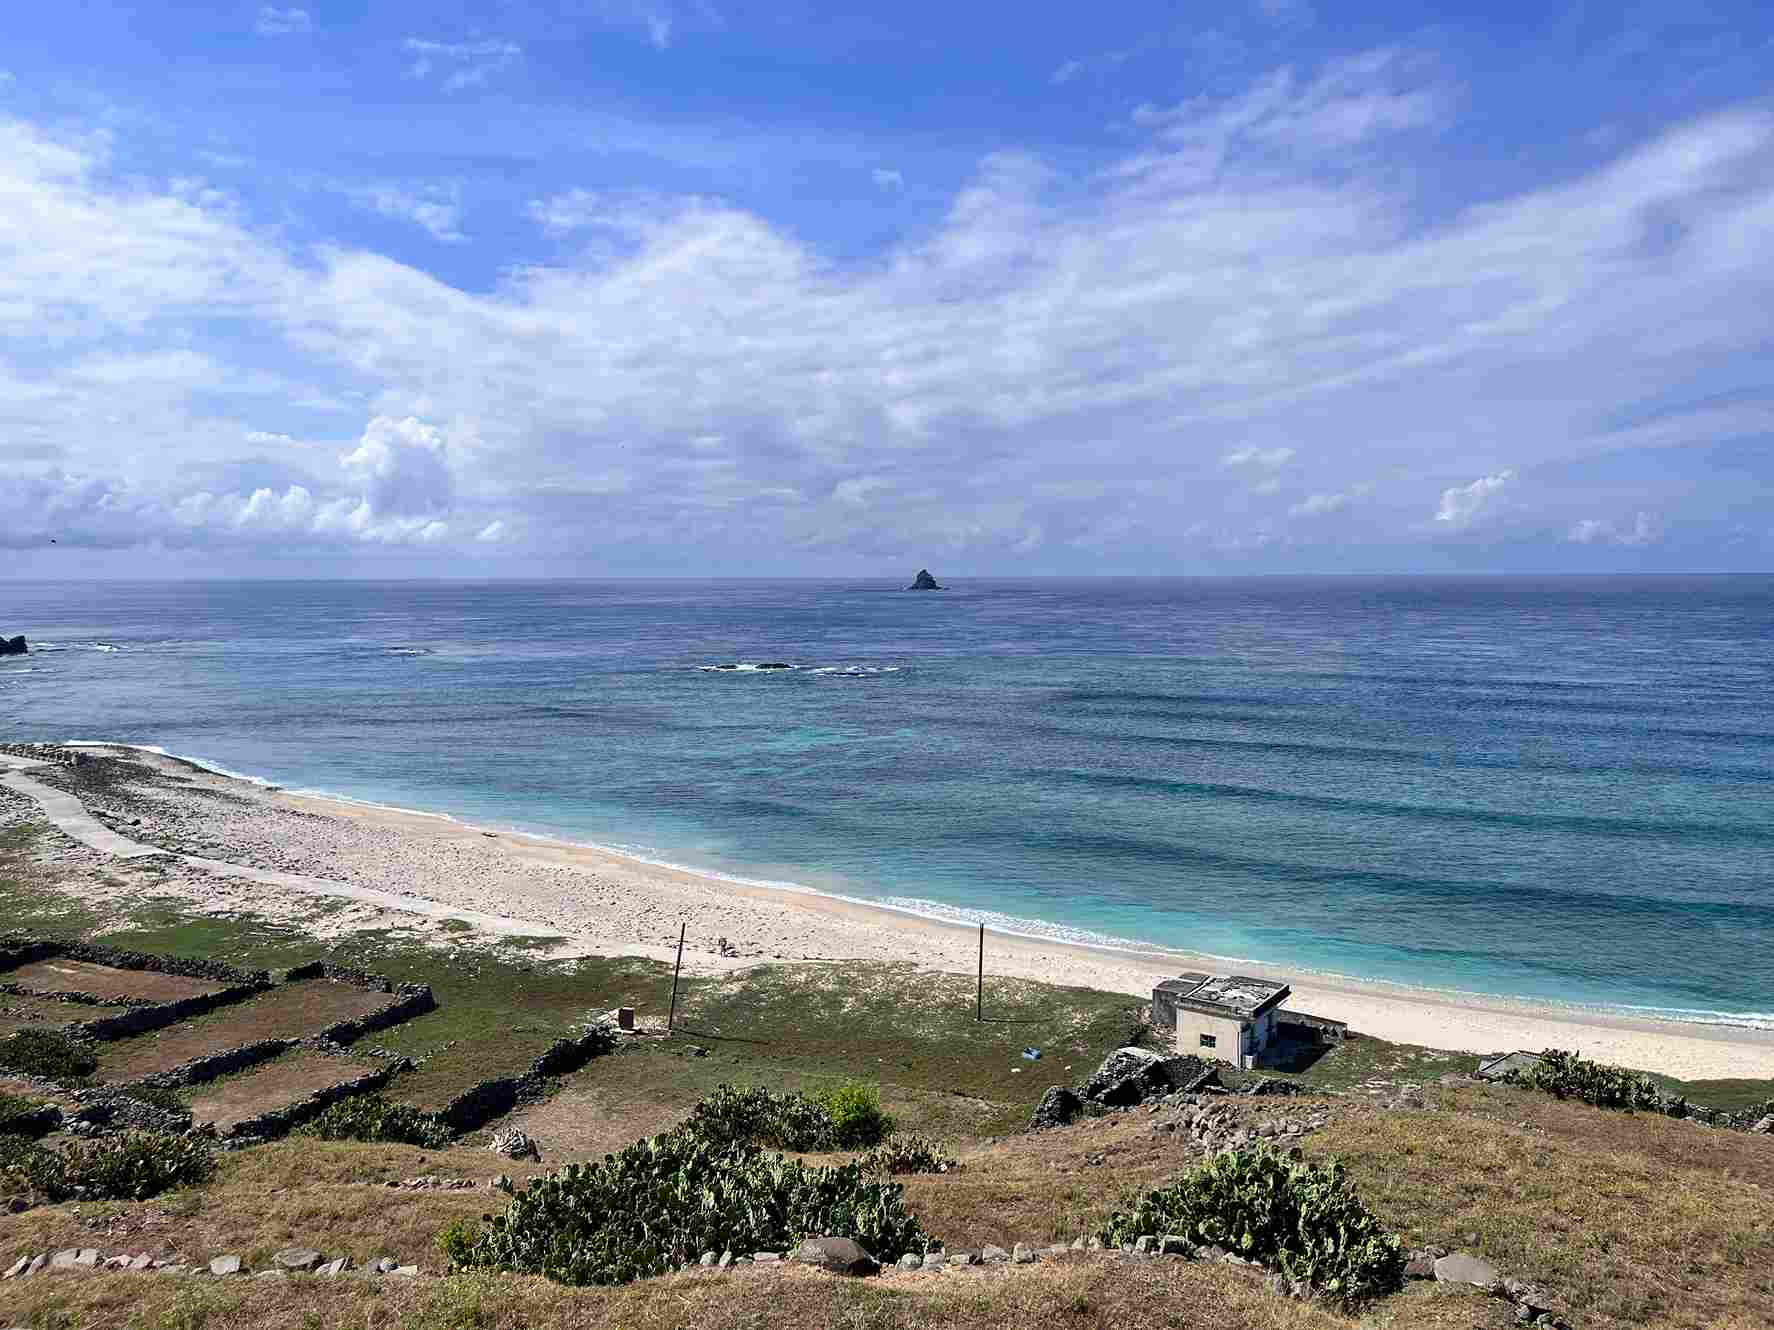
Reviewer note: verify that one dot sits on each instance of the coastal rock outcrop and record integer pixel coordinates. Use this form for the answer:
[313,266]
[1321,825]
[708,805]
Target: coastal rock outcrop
[923,582]
[17,646]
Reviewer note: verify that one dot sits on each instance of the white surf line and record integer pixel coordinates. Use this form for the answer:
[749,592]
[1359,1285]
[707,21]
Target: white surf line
[69,815]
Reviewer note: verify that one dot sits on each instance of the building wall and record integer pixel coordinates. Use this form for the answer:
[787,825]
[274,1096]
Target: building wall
[1226,1032]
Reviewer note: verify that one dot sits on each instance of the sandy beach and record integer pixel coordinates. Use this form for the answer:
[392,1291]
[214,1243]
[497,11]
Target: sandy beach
[391,868]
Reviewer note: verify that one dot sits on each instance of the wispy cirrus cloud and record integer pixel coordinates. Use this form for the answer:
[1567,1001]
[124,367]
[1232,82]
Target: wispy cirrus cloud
[435,207]
[463,64]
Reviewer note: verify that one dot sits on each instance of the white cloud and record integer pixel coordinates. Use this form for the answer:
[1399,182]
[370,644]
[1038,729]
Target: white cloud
[492,533]
[467,63]
[1317,505]
[437,208]
[1266,459]
[402,466]
[275,22]
[267,437]
[1106,357]
[887,179]
[1461,504]
[1644,529]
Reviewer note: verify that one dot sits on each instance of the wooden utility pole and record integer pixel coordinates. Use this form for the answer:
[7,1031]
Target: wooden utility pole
[671,1020]
[979,1005]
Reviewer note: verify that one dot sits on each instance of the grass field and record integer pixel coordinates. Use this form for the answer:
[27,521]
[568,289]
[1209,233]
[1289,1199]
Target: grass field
[38,1013]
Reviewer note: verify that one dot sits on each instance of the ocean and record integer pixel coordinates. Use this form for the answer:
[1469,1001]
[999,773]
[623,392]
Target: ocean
[1552,788]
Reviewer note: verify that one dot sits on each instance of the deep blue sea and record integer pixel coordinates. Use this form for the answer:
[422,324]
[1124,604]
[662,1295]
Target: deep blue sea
[1555,788]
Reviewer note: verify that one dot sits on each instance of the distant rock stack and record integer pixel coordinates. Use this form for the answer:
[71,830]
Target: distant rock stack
[16,646]
[923,582]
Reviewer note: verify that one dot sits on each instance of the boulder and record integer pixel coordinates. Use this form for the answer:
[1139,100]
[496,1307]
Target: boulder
[297,1258]
[1059,1107]
[225,1265]
[515,1144]
[922,582]
[17,646]
[1117,1067]
[1765,1125]
[993,1255]
[841,1256]
[1463,1269]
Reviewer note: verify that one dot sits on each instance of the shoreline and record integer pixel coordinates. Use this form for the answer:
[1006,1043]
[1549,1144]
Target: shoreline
[608,902]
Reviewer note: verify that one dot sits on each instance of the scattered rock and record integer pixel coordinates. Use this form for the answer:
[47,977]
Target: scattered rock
[1021,1255]
[333,1269]
[1764,1125]
[297,1258]
[841,1256]
[991,1255]
[911,1261]
[225,1265]
[708,1259]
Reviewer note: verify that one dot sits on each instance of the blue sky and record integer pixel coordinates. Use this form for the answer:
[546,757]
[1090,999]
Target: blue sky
[658,288]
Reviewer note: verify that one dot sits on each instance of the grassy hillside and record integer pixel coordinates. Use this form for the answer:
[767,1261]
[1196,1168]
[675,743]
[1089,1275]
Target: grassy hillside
[1631,1220]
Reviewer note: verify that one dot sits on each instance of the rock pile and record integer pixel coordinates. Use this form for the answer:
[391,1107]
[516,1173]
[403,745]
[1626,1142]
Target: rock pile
[511,1143]
[1127,1078]
[289,1261]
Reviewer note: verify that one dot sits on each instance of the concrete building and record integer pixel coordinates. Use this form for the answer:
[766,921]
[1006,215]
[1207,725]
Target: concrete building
[1228,1018]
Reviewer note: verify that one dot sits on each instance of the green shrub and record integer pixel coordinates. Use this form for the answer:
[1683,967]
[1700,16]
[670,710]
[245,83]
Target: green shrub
[662,1202]
[750,1115]
[457,1240]
[48,1053]
[856,1117]
[906,1153]
[1299,1217]
[129,1167]
[25,1117]
[376,1118]
[138,1164]
[1567,1076]
[32,1171]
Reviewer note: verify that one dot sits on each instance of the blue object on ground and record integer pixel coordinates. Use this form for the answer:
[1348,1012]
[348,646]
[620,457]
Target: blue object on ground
[1032,1054]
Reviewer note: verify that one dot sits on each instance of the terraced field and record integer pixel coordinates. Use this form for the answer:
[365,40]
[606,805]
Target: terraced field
[271,1085]
[38,1013]
[287,1011]
[60,975]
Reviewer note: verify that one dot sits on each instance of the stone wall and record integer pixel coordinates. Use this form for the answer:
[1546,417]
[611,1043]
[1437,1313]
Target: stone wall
[281,1121]
[17,949]
[159,1015]
[488,1099]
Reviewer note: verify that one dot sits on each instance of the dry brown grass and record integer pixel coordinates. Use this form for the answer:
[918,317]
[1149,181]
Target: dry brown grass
[70,976]
[1065,1295]
[1636,1220]
[271,1085]
[285,1012]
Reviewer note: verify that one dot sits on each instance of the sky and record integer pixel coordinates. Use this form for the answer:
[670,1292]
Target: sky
[705,288]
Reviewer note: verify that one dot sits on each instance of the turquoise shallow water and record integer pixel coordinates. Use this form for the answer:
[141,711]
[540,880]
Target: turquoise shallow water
[1560,789]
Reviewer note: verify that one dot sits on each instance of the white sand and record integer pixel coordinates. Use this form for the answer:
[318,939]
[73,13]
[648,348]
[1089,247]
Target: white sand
[603,903]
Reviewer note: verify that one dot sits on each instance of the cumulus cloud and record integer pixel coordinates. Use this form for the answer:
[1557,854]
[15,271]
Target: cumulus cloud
[1461,504]
[1105,359]
[465,64]
[402,467]
[275,22]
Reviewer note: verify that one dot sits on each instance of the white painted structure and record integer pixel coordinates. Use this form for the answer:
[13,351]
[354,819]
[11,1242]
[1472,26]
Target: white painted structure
[1223,1018]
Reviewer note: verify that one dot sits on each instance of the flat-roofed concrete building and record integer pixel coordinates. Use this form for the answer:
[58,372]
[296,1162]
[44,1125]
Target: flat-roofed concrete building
[1228,1018]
